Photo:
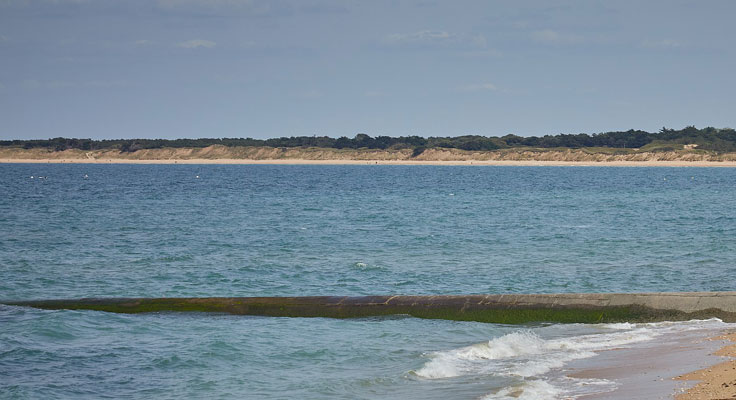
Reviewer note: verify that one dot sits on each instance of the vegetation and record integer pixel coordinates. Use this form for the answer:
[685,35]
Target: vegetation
[711,139]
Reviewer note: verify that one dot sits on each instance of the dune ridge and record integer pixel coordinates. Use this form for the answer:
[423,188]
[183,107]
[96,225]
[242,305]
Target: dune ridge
[218,154]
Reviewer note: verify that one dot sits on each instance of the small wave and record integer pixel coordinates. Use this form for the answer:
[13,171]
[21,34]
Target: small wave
[619,326]
[526,353]
[711,323]
[367,267]
[530,390]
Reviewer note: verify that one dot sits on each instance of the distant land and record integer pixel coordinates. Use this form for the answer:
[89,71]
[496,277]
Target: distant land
[687,146]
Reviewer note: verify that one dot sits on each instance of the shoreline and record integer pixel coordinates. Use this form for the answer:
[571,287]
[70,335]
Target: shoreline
[232,161]
[716,381]
[687,365]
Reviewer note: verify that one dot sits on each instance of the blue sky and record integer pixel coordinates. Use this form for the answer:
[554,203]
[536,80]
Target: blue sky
[228,68]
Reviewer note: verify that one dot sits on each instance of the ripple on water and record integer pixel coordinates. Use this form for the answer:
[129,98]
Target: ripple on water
[137,230]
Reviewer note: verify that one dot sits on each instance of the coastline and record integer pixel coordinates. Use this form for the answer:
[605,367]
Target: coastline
[715,381]
[688,365]
[644,360]
[289,161]
[218,154]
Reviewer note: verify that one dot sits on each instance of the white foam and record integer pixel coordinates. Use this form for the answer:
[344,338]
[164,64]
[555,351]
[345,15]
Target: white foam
[620,325]
[526,353]
[457,362]
[529,390]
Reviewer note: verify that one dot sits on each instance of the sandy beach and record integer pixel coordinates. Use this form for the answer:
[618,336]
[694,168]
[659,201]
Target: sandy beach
[716,381]
[231,161]
[218,154]
[685,366]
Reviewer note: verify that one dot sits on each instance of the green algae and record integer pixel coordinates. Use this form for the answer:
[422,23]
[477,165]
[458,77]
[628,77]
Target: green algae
[128,306]
[450,308]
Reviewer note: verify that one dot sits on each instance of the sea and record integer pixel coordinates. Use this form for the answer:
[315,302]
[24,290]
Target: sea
[96,230]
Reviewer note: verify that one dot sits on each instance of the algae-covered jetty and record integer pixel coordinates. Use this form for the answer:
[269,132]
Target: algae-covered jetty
[499,308]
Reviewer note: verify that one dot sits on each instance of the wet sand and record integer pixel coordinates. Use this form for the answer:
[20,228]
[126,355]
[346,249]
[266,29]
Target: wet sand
[716,381]
[663,369]
[377,162]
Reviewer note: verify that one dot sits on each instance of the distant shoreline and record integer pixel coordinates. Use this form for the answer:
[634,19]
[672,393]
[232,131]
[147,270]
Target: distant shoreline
[531,163]
[218,154]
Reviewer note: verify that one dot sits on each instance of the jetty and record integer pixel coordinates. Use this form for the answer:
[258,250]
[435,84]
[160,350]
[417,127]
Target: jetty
[493,308]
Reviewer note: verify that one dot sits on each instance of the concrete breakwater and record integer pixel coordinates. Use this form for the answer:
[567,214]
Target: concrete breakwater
[500,308]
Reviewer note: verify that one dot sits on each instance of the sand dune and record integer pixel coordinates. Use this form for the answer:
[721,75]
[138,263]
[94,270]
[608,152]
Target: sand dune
[270,155]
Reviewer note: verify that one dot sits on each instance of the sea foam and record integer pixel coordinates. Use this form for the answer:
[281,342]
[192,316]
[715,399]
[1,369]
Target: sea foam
[531,390]
[525,353]
[528,358]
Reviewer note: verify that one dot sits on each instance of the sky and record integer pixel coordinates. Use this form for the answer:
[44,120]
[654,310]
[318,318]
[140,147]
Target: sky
[107,69]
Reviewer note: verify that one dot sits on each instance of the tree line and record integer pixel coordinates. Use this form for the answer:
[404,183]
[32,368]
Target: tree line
[714,139]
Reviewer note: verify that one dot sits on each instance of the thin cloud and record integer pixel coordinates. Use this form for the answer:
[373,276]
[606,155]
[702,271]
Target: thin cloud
[307,95]
[67,1]
[104,84]
[549,36]
[249,8]
[60,84]
[254,8]
[143,42]
[227,4]
[661,44]
[480,53]
[421,37]
[34,84]
[177,3]
[435,38]
[374,93]
[480,87]
[3,38]
[195,43]
[248,44]
[30,84]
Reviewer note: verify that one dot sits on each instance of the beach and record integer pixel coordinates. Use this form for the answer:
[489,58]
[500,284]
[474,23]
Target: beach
[688,365]
[716,381]
[242,155]
[232,161]
[369,200]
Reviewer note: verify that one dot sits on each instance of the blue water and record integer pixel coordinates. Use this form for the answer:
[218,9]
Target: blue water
[188,230]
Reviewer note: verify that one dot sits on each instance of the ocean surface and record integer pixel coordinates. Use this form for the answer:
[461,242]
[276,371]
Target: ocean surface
[69,231]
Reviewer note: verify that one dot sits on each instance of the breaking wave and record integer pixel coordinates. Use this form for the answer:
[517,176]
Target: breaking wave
[526,356]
